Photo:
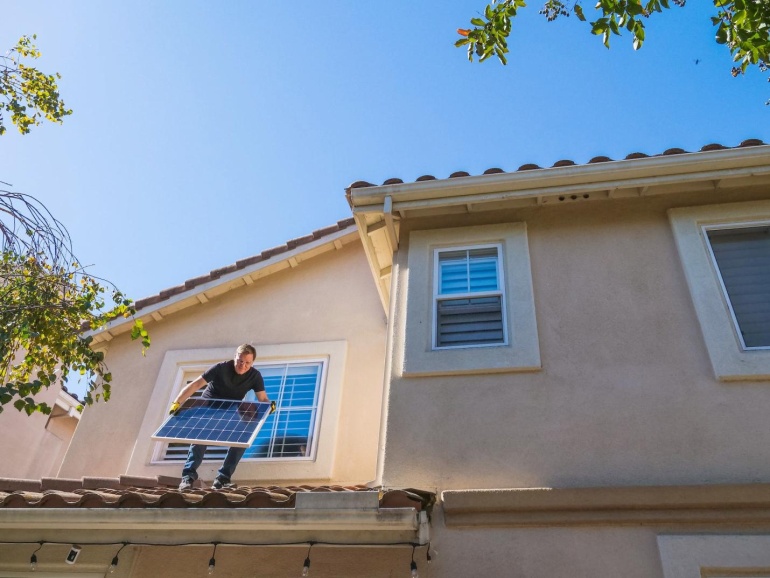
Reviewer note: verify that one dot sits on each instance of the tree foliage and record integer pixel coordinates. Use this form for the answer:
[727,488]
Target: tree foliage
[743,26]
[47,302]
[29,95]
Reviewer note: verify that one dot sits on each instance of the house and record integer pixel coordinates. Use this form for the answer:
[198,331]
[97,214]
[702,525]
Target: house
[46,437]
[548,372]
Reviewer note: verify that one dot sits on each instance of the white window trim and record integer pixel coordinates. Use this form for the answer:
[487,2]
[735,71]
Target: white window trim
[146,459]
[729,359]
[522,350]
[196,369]
[437,296]
[719,556]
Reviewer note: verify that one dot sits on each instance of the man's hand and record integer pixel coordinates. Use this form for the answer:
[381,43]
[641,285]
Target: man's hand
[272,407]
[174,408]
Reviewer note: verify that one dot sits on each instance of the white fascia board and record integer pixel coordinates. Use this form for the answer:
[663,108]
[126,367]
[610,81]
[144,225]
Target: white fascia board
[643,172]
[146,313]
[68,403]
[246,525]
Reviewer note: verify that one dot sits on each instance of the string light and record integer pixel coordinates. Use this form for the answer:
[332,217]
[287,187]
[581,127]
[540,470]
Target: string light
[33,558]
[213,562]
[306,565]
[114,563]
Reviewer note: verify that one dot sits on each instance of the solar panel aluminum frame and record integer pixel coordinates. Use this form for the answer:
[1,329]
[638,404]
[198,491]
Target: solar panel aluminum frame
[228,422]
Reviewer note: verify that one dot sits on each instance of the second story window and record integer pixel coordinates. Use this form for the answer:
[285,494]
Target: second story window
[742,257]
[469,308]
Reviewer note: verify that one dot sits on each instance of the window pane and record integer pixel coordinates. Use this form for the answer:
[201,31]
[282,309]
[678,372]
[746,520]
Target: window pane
[453,277]
[468,271]
[288,432]
[483,274]
[743,259]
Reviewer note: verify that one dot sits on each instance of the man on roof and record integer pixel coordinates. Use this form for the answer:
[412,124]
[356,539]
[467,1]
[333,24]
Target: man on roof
[231,379]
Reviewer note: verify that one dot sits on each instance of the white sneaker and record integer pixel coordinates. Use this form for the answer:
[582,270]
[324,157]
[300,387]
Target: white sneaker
[185,484]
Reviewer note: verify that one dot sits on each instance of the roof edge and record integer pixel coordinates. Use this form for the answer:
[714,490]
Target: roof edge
[156,307]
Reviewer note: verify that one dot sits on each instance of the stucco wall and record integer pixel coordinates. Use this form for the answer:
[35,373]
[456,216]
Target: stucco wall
[329,297]
[38,444]
[626,394]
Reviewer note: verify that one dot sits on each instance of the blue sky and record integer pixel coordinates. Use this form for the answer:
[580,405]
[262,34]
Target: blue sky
[205,132]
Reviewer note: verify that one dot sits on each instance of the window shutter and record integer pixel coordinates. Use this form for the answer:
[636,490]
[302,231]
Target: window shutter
[476,321]
[743,259]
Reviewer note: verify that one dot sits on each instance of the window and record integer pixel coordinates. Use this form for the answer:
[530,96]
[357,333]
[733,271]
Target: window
[725,254]
[287,433]
[307,381]
[468,298]
[470,305]
[742,257]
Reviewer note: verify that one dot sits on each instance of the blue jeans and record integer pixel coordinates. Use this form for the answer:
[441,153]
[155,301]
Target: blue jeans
[195,457]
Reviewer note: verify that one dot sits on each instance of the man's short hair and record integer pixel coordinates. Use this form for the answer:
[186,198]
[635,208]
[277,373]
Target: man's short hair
[246,348]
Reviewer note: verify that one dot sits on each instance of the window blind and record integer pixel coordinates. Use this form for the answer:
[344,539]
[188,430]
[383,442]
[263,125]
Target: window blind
[743,259]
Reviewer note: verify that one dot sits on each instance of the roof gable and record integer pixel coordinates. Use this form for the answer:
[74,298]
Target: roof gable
[217,282]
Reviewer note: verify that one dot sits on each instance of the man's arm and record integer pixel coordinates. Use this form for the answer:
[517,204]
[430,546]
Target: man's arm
[186,392]
[262,396]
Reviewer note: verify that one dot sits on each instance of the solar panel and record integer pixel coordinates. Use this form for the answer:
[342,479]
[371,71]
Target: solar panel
[215,422]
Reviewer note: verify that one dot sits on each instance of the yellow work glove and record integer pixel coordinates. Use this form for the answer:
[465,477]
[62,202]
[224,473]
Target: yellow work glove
[174,408]
[272,406]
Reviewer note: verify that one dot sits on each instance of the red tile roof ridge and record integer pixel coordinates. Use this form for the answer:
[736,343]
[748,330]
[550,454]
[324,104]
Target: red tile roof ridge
[566,163]
[62,493]
[240,264]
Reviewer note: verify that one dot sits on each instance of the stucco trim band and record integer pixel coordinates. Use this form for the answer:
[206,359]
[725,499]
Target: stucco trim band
[722,504]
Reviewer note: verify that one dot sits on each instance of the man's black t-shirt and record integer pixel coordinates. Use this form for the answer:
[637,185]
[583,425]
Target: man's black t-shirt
[224,383]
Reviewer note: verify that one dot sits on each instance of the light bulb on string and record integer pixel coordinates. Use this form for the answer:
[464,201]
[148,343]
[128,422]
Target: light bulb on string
[306,565]
[115,560]
[413,565]
[213,561]
[33,558]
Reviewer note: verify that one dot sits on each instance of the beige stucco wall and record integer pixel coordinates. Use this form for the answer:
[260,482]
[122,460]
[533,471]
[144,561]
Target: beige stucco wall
[327,298]
[39,441]
[626,394]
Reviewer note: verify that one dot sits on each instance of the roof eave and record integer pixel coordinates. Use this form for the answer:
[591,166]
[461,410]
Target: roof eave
[202,293]
[178,526]
[378,209]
